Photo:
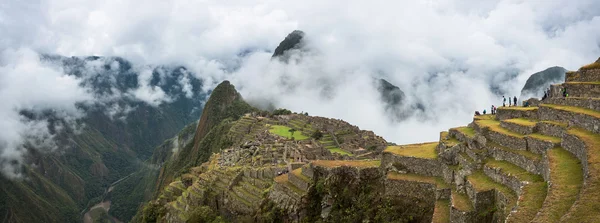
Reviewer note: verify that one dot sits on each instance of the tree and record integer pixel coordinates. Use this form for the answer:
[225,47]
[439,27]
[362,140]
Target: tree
[292,131]
[317,135]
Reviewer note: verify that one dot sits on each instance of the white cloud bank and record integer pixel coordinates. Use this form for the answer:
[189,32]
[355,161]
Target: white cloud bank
[442,53]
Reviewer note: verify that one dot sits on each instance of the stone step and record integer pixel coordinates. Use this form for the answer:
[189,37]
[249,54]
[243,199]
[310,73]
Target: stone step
[442,191]
[538,143]
[516,112]
[462,134]
[487,195]
[583,89]
[575,116]
[585,145]
[566,177]
[589,103]
[299,180]
[527,160]
[447,140]
[441,213]
[531,189]
[519,125]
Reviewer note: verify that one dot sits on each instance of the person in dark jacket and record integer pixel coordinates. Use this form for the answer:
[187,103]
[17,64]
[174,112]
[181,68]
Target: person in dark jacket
[515,101]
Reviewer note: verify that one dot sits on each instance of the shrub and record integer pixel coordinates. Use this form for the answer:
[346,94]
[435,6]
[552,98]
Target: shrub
[282,111]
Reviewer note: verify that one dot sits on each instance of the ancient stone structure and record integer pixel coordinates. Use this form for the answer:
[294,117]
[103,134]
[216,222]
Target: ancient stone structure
[524,164]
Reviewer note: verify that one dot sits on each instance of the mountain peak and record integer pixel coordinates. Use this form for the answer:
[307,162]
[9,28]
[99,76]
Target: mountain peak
[291,41]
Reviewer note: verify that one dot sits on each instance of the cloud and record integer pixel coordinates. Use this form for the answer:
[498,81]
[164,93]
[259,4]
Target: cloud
[25,84]
[451,56]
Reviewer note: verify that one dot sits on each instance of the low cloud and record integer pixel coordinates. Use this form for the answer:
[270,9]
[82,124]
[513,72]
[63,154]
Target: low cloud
[452,57]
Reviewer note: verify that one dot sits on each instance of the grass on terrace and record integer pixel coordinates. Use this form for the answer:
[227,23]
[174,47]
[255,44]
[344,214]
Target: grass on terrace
[561,124]
[514,170]
[586,209]
[518,108]
[285,132]
[495,126]
[521,121]
[533,194]
[298,173]
[423,150]
[484,117]
[530,202]
[450,142]
[340,151]
[468,131]
[580,110]
[482,182]
[566,176]
[351,163]
[461,201]
[552,139]
[441,213]
[438,181]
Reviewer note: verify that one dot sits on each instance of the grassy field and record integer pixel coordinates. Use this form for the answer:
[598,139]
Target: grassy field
[518,108]
[424,150]
[461,201]
[285,132]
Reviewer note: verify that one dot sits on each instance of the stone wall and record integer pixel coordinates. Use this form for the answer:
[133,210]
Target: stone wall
[533,166]
[550,129]
[511,181]
[589,103]
[428,167]
[512,142]
[508,113]
[522,129]
[578,148]
[583,76]
[587,122]
[582,90]
[532,102]
[298,182]
[537,145]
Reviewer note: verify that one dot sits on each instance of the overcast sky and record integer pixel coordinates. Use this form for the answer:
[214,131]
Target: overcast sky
[443,53]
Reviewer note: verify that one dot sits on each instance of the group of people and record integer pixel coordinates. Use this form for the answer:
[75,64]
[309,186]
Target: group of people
[547,93]
[494,108]
[509,104]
